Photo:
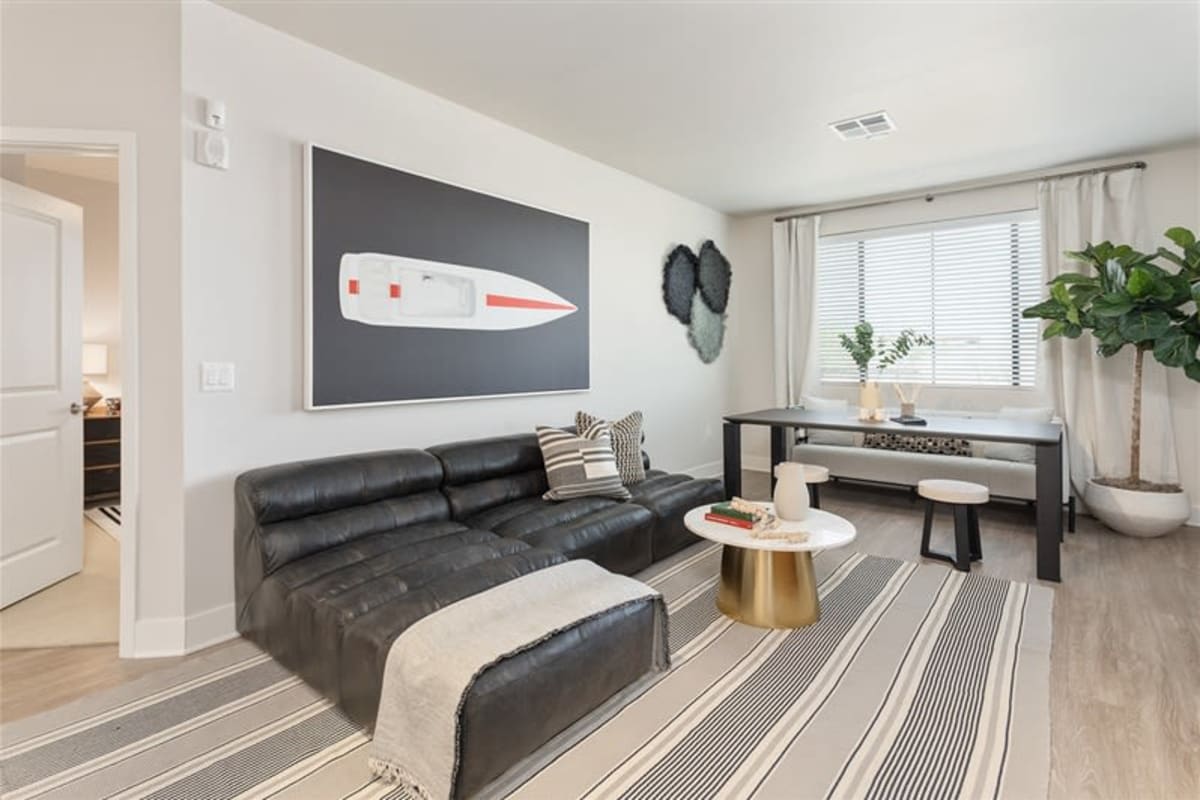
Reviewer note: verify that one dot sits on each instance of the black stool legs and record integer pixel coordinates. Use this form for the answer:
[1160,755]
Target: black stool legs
[967,544]
[814,495]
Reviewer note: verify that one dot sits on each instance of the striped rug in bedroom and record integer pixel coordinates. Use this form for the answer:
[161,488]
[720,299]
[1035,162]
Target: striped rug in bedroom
[917,681]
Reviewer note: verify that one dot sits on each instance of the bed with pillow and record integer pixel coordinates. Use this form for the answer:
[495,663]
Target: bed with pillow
[903,459]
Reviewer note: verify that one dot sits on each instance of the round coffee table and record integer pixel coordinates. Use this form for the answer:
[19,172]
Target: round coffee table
[770,582]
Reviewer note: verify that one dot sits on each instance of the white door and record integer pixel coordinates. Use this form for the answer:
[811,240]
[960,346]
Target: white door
[41,430]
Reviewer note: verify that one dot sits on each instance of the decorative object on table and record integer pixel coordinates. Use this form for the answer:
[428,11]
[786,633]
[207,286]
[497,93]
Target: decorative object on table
[1129,299]
[791,492]
[626,443]
[95,364]
[114,405]
[419,290]
[863,347]
[580,466]
[696,292]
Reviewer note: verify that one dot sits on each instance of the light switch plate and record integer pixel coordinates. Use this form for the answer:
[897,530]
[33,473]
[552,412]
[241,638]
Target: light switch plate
[216,376]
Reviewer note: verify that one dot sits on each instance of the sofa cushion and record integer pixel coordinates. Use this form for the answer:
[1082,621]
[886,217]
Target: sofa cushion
[369,635]
[1022,453]
[484,473]
[916,443]
[669,498]
[626,443]
[580,465]
[615,535]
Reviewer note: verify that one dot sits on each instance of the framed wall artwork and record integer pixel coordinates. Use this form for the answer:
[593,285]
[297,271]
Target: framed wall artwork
[419,290]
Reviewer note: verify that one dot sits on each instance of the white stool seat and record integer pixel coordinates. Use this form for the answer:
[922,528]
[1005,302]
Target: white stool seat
[815,473]
[943,490]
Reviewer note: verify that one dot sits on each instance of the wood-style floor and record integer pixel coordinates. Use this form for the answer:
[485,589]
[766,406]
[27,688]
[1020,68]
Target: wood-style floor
[1125,665]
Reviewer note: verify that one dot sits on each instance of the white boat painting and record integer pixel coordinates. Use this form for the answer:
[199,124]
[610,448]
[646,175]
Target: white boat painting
[380,289]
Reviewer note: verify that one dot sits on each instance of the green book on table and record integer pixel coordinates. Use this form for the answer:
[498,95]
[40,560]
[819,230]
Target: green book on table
[726,510]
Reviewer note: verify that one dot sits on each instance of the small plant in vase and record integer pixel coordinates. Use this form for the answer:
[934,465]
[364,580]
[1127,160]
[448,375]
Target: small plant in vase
[896,352]
[862,348]
[1127,299]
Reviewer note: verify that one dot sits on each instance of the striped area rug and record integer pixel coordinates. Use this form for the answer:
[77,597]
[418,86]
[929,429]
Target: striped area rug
[107,518]
[917,682]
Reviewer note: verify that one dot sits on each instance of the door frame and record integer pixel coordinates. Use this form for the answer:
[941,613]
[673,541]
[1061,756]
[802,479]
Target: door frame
[122,144]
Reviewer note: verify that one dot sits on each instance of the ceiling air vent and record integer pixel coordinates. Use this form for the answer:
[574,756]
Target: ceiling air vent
[868,126]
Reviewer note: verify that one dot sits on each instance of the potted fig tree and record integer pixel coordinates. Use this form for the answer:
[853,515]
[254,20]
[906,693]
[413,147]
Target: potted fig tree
[1146,301]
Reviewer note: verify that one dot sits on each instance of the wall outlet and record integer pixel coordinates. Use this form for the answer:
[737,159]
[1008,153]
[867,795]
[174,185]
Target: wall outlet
[216,376]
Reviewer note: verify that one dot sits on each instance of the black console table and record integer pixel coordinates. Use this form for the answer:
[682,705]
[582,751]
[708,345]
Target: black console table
[1046,438]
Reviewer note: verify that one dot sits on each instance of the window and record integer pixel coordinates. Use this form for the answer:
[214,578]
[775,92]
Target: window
[962,282]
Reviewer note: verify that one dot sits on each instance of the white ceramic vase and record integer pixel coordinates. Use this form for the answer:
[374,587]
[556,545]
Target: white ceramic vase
[791,491]
[1142,514]
[870,402]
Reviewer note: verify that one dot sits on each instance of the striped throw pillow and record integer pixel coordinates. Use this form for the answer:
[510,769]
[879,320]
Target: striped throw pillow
[626,443]
[580,466]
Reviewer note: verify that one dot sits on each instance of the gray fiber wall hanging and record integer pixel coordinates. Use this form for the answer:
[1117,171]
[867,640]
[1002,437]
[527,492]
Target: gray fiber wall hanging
[696,292]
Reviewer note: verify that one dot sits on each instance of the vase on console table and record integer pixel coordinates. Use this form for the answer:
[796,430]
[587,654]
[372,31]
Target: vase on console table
[870,402]
[791,491]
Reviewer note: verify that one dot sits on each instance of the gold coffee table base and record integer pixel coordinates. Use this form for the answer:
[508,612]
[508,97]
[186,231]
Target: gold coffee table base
[768,588]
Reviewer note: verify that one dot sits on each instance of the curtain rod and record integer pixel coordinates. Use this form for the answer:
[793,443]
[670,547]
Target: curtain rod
[929,194]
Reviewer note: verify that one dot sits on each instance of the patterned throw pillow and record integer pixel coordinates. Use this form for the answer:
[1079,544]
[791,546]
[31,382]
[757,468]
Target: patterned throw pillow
[909,443]
[626,443]
[580,466]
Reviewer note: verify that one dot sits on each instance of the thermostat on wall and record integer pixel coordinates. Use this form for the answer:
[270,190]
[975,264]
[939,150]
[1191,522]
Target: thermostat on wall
[212,149]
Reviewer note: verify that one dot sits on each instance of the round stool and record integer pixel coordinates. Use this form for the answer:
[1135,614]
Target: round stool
[814,475]
[963,497]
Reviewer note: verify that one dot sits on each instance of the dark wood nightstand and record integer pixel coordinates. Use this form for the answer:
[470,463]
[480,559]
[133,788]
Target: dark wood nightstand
[102,458]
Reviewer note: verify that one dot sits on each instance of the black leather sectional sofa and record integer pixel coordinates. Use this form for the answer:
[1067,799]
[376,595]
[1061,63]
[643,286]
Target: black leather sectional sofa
[335,558]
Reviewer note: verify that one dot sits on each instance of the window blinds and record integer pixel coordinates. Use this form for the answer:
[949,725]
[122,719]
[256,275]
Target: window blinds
[964,282]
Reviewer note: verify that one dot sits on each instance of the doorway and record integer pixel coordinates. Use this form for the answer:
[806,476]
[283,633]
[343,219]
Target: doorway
[83,594]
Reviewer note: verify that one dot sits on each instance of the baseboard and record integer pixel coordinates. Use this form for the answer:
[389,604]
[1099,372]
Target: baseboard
[163,637]
[158,637]
[210,627]
[713,469]
[756,463]
[1195,520]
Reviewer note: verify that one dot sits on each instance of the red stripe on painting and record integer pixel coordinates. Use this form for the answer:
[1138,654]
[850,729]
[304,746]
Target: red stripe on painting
[394,290]
[353,286]
[507,301]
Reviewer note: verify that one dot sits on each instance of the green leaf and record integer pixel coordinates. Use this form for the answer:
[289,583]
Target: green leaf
[1114,274]
[1144,283]
[1055,328]
[1170,256]
[1181,236]
[1047,309]
[1060,293]
[1144,326]
[1193,371]
[1175,348]
[1083,295]
[1113,304]
[1072,277]
[1109,350]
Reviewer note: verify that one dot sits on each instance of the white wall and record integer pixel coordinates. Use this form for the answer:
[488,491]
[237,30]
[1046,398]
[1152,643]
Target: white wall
[115,66]
[1172,191]
[242,260]
[101,287]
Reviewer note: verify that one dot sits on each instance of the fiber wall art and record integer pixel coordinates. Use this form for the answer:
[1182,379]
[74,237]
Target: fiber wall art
[696,292]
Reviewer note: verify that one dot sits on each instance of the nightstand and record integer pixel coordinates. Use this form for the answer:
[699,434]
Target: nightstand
[102,458]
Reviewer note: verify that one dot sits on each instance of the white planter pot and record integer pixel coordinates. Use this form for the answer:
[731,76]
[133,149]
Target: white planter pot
[791,492]
[1143,514]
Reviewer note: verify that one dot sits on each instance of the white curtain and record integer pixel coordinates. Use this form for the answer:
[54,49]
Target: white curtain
[794,245]
[1092,394]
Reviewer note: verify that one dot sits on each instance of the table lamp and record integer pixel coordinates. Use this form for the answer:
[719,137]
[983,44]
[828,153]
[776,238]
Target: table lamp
[95,362]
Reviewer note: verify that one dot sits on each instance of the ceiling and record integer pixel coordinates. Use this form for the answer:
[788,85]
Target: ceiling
[727,103]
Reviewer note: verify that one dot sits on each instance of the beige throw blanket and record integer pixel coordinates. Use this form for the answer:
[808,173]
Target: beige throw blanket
[432,665]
